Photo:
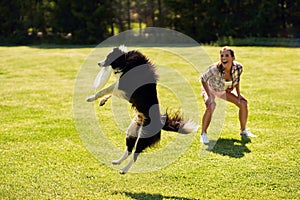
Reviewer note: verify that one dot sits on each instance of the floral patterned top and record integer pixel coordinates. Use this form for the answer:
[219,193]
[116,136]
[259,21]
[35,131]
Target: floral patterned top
[214,77]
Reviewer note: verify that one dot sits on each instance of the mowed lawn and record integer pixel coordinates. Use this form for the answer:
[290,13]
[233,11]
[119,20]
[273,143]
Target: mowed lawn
[42,155]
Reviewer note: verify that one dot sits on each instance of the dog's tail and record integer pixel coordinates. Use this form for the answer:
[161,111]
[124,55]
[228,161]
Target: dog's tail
[175,122]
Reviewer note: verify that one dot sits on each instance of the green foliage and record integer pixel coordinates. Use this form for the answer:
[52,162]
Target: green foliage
[89,22]
[257,41]
[43,157]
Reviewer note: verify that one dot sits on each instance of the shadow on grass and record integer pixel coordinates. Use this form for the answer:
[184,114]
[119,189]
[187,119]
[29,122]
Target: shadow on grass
[146,196]
[230,147]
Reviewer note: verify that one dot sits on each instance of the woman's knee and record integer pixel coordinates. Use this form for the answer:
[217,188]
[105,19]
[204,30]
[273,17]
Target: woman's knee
[243,103]
[211,107]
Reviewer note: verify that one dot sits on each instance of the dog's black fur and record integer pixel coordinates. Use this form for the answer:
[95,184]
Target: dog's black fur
[138,81]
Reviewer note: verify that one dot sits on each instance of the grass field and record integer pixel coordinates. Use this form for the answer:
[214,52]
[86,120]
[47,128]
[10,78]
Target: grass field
[43,156]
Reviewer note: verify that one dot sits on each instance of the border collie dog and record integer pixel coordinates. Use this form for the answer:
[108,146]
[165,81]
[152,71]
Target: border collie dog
[137,81]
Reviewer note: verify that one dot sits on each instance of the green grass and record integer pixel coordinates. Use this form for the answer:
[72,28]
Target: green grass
[43,156]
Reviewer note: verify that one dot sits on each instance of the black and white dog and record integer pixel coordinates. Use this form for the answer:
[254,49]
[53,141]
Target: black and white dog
[137,83]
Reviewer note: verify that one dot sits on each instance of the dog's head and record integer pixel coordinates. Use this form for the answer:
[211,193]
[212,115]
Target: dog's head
[116,58]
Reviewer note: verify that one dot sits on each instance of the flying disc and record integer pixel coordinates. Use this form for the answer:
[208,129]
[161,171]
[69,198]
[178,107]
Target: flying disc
[102,77]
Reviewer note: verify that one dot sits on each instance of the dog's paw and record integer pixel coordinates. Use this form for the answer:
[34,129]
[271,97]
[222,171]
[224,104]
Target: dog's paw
[103,101]
[127,167]
[116,162]
[91,98]
[122,171]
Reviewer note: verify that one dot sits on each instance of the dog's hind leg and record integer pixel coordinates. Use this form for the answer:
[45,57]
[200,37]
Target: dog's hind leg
[141,145]
[132,135]
[130,163]
[130,142]
[122,158]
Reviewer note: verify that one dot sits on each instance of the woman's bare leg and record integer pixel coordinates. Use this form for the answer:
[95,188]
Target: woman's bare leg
[206,119]
[243,108]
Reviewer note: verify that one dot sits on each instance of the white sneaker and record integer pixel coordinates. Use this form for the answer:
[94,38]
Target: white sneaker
[247,133]
[203,138]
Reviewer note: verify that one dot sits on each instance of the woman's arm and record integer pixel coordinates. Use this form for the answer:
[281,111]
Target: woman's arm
[205,86]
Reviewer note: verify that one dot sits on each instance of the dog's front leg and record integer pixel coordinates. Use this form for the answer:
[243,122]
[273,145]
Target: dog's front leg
[102,93]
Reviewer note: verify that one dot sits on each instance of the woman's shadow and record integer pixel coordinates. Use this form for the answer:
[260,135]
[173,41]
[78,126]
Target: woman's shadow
[230,147]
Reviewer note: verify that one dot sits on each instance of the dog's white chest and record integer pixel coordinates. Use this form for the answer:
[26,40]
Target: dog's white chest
[117,92]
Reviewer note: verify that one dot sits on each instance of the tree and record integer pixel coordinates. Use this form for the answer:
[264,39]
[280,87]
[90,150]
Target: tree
[94,20]
[87,21]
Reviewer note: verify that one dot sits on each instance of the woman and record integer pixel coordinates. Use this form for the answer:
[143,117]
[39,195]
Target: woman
[220,80]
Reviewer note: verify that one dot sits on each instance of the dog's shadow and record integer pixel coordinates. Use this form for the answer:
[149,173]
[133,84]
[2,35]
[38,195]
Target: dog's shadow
[147,196]
[230,147]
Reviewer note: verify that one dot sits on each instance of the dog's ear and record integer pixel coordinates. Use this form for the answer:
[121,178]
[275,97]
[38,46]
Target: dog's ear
[117,52]
[116,49]
[123,48]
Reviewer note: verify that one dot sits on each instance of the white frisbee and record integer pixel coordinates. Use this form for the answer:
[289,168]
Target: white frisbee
[102,77]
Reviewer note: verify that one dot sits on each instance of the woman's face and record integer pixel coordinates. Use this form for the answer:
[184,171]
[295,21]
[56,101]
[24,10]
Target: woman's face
[226,58]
